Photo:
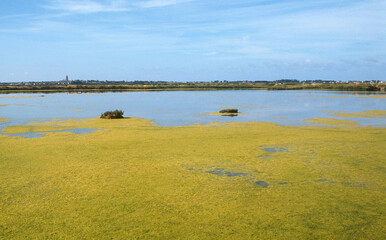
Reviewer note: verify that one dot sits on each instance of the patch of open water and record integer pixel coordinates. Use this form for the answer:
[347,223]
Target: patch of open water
[180,108]
[41,134]
[262,184]
[324,181]
[223,172]
[275,149]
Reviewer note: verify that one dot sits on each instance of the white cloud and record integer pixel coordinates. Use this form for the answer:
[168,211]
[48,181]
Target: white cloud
[87,6]
[159,3]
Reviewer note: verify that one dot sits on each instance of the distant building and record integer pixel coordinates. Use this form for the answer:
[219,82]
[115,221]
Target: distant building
[62,82]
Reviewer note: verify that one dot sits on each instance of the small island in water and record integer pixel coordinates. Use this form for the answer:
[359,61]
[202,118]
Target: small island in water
[112,114]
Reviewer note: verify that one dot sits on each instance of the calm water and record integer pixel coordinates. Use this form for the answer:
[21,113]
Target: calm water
[176,108]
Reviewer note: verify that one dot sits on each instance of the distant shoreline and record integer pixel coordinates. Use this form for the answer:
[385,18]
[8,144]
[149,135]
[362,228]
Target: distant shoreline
[209,86]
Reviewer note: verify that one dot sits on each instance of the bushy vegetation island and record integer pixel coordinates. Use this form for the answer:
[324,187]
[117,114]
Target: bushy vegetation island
[112,114]
[232,112]
[229,110]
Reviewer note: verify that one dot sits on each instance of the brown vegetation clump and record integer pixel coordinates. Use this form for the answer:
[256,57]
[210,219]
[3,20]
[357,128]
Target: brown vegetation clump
[112,114]
[229,110]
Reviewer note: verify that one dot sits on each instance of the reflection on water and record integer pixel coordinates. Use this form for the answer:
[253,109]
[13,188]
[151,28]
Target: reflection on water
[177,108]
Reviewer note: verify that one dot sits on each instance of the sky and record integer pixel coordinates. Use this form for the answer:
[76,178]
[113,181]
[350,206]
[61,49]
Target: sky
[192,40]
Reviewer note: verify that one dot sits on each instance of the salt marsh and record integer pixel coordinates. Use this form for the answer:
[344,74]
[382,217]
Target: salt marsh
[254,176]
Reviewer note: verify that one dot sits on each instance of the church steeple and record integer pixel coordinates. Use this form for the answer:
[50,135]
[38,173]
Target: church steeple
[67,82]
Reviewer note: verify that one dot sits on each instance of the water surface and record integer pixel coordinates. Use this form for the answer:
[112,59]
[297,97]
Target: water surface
[179,108]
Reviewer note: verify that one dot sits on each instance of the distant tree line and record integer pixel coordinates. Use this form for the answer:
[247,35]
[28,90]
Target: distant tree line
[283,84]
[140,82]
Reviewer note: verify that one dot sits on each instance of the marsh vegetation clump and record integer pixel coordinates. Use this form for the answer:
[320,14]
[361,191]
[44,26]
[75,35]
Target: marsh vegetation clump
[229,112]
[112,114]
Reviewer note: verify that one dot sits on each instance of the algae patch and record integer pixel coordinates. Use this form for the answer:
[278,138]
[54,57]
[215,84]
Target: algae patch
[333,122]
[313,96]
[365,114]
[380,97]
[23,96]
[130,181]
[18,105]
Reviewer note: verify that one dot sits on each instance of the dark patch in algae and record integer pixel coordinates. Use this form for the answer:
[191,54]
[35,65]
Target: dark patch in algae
[222,172]
[325,180]
[274,150]
[262,184]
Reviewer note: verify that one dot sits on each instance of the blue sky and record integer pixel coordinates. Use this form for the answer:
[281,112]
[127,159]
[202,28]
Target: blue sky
[192,40]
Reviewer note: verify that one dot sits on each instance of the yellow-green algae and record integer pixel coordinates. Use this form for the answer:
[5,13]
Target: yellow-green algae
[18,105]
[374,97]
[135,180]
[365,114]
[332,121]
[357,95]
[338,96]
[3,119]
[22,96]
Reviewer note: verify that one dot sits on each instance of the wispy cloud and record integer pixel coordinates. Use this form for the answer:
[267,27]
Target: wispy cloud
[87,6]
[94,6]
[159,3]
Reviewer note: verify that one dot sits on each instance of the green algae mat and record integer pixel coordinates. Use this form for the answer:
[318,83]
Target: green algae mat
[131,179]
